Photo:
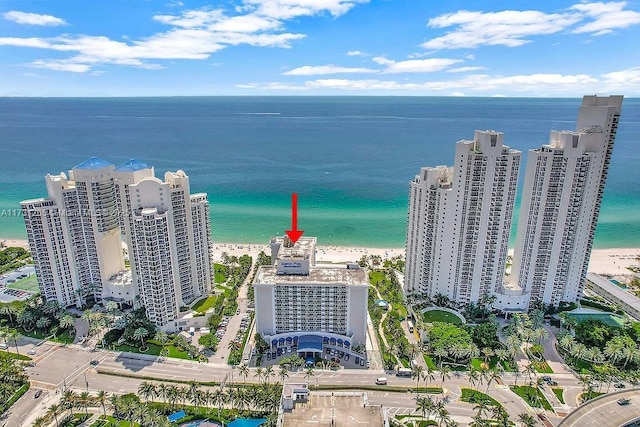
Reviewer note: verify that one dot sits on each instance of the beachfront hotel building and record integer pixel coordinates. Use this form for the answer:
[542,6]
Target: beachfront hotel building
[561,198]
[315,309]
[459,221]
[74,233]
[76,238]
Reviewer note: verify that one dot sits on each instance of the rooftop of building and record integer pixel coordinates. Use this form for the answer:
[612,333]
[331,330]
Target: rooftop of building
[268,275]
[304,248]
[122,278]
[93,163]
[615,290]
[334,409]
[132,165]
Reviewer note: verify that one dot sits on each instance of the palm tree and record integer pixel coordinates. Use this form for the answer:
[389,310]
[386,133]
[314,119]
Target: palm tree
[84,399]
[258,374]
[308,373]
[424,405]
[268,373]
[163,391]
[416,373]
[41,422]
[527,420]
[244,371]
[283,373]
[499,414]
[101,398]
[427,376]
[445,373]
[140,334]
[13,335]
[67,321]
[493,376]
[8,310]
[482,406]
[42,323]
[68,400]
[443,416]
[146,390]
[474,376]
[440,353]
[54,410]
[219,398]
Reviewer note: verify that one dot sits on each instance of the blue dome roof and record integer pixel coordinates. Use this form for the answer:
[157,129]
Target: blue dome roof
[94,163]
[132,165]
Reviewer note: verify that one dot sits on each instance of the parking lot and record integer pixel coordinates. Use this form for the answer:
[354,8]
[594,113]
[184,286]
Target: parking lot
[21,275]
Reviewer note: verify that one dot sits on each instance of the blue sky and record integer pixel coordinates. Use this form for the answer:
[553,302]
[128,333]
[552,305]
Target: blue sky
[319,47]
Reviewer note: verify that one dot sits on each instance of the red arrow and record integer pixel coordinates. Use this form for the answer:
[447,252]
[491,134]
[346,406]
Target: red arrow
[294,234]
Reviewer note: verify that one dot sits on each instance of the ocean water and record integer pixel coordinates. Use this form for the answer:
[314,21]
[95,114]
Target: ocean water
[349,158]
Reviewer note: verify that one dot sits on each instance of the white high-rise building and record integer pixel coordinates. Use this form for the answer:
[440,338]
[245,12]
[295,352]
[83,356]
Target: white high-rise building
[76,237]
[318,311]
[561,199]
[168,236]
[74,233]
[459,221]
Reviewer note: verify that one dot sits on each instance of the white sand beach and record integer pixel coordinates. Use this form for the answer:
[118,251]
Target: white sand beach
[614,261]
[19,243]
[603,261]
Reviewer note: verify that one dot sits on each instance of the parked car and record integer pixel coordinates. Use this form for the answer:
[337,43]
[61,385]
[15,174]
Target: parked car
[546,378]
[623,402]
[93,363]
[619,385]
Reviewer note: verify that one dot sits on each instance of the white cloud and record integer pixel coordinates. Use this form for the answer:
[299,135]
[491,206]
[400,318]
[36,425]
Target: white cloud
[32,18]
[308,70]
[606,17]
[287,9]
[61,66]
[465,69]
[415,65]
[356,53]
[480,84]
[194,34]
[507,28]
[628,77]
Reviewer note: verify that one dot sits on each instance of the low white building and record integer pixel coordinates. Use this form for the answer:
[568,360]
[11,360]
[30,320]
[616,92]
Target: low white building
[614,294]
[311,309]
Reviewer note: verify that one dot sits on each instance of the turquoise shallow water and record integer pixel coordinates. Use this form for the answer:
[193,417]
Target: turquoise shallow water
[348,158]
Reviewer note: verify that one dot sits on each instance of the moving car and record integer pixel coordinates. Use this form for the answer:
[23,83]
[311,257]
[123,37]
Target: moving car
[37,395]
[381,380]
[619,385]
[623,402]
[93,363]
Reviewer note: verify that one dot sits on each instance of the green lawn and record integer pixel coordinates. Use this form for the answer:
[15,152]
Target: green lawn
[110,421]
[205,303]
[493,361]
[154,349]
[474,396]
[529,396]
[589,396]
[74,420]
[543,367]
[429,361]
[441,316]
[12,355]
[29,283]
[220,270]
[63,337]
[559,394]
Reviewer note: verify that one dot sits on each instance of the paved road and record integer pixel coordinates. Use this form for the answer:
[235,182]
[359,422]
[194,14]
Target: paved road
[606,411]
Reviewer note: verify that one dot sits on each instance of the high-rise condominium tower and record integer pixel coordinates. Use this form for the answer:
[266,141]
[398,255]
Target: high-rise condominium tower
[459,221]
[561,199]
[74,233]
[168,235]
[76,238]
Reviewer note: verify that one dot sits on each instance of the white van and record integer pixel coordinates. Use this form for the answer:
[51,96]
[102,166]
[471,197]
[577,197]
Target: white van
[381,380]
[3,346]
